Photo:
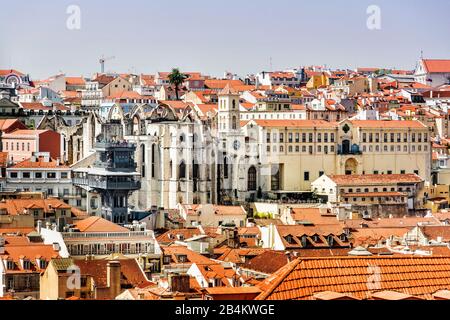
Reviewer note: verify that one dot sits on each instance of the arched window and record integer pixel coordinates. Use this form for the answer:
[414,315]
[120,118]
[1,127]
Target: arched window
[234,104]
[225,167]
[251,179]
[234,123]
[153,160]
[182,170]
[143,160]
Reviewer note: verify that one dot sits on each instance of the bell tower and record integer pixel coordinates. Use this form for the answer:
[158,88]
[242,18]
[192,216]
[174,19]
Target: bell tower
[229,115]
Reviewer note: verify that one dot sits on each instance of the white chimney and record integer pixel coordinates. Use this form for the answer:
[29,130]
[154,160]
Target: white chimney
[56,246]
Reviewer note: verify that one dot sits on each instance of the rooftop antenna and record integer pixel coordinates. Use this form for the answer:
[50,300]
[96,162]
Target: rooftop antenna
[421,54]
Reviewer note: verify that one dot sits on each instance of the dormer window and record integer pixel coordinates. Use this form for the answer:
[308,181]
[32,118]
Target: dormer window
[304,240]
[167,259]
[330,240]
[182,258]
[10,265]
[289,239]
[343,237]
[26,264]
[42,264]
[316,238]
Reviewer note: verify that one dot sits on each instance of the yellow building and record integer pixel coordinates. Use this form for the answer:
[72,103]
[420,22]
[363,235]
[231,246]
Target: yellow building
[318,80]
[293,153]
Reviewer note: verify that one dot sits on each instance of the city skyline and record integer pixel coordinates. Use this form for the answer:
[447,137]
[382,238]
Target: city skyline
[213,38]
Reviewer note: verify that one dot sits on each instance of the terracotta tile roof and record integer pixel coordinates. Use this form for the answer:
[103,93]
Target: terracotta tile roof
[39,162]
[104,79]
[391,124]
[232,291]
[375,179]
[304,277]
[193,209]
[98,224]
[78,81]
[24,132]
[442,215]
[297,123]
[19,206]
[20,247]
[433,232]
[205,108]
[298,107]
[227,90]
[5,124]
[280,74]
[278,259]
[291,236]
[249,230]
[79,213]
[316,216]
[178,235]
[40,106]
[191,257]
[372,236]
[220,84]
[131,273]
[406,222]
[177,104]
[437,66]
[16,231]
[5,72]
[214,270]
[237,256]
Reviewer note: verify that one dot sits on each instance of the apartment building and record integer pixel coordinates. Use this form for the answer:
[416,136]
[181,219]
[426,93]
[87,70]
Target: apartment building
[40,173]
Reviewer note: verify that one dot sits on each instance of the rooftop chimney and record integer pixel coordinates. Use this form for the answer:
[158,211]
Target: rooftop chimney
[179,282]
[113,278]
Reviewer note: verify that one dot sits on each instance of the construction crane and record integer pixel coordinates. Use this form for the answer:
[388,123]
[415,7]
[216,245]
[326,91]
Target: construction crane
[102,62]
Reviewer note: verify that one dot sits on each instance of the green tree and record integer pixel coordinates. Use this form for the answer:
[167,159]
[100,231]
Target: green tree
[177,78]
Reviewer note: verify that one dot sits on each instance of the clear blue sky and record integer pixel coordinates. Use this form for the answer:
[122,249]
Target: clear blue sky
[214,36]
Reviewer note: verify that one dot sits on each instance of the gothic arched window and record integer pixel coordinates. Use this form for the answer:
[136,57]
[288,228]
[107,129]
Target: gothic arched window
[143,160]
[153,160]
[182,170]
[251,179]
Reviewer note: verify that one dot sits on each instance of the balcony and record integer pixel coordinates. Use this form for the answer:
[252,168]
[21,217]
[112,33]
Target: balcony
[345,149]
[115,144]
[108,183]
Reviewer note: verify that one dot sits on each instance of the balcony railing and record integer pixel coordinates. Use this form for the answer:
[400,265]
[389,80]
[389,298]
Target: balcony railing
[115,144]
[87,235]
[107,184]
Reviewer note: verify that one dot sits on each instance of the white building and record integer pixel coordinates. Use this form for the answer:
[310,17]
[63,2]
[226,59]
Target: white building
[433,72]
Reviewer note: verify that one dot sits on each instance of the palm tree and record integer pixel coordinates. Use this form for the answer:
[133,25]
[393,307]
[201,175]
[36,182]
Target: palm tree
[177,78]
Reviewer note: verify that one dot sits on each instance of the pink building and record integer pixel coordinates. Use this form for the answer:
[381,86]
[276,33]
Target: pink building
[21,144]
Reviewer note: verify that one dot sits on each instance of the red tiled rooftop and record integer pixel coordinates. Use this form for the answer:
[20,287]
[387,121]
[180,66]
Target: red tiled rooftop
[98,224]
[39,162]
[436,65]
[304,277]
[369,179]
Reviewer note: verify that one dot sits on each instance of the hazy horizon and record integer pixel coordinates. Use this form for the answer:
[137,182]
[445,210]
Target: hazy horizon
[212,37]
